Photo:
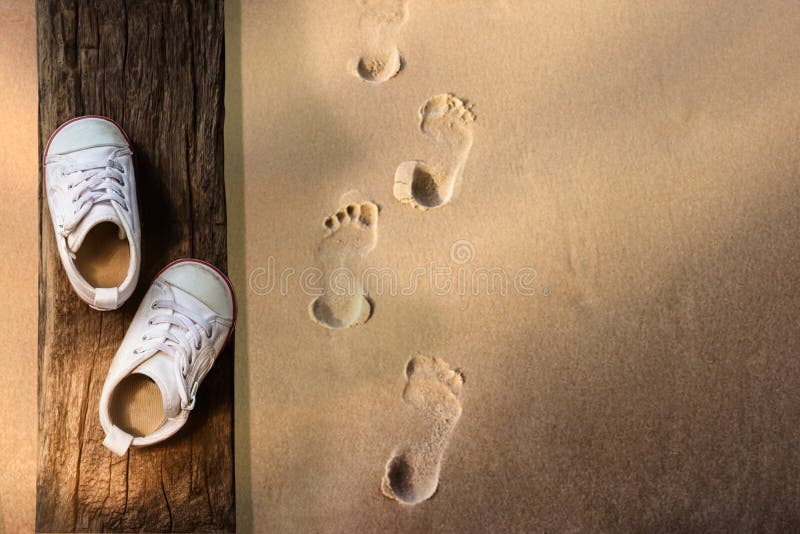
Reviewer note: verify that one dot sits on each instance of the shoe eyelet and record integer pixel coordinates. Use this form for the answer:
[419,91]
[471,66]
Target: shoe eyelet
[145,338]
[153,306]
[197,346]
[150,322]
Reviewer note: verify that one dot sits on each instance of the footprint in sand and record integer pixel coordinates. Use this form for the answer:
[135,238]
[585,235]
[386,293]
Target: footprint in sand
[380,21]
[432,390]
[351,233]
[447,121]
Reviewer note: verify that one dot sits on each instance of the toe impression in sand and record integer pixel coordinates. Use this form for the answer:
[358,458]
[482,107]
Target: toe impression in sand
[447,121]
[433,390]
[380,59]
[350,234]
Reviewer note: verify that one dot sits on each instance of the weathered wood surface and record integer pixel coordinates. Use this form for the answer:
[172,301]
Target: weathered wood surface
[156,66]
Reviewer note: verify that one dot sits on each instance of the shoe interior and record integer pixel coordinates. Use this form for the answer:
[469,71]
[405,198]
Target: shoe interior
[136,406]
[103,258]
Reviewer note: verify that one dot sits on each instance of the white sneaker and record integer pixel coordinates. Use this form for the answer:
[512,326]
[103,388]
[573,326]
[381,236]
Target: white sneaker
[180,328]
[91,191]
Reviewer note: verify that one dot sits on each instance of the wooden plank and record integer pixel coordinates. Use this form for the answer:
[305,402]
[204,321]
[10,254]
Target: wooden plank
[157,67]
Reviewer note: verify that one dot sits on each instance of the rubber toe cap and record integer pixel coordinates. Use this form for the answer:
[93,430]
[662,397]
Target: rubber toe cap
[204,283]
[89,132]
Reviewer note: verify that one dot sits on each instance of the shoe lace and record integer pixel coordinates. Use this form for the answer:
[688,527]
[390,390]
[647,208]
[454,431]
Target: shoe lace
[97,181]
[182,343]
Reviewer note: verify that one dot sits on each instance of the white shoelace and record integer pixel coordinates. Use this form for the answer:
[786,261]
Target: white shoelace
[182,344]
[97,181]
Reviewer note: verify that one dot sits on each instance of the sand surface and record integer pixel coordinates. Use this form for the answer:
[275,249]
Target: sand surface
[641,158]
[19,259]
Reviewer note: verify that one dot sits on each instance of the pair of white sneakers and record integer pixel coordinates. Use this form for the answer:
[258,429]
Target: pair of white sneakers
[185,318]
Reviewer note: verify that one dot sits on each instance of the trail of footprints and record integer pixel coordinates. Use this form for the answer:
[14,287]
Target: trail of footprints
[433,389]
[352,232]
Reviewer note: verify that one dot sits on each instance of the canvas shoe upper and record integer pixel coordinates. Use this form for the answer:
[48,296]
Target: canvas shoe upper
[89,180]
[180,328]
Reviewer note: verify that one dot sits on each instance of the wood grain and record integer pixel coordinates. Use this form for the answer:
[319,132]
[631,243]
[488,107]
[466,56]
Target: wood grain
[155,66]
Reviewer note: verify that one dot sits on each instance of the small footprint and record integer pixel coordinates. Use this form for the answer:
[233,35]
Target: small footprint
[351,233]
[432,390]
[447,121]
[380,59]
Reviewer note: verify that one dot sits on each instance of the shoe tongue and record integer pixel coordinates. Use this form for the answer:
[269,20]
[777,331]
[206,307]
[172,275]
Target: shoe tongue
[161,367]
[100,213]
